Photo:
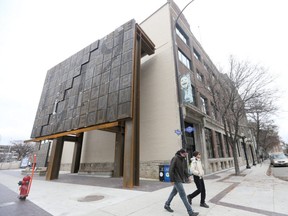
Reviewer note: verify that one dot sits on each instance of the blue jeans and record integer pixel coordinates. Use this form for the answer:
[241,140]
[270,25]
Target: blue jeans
[178,188]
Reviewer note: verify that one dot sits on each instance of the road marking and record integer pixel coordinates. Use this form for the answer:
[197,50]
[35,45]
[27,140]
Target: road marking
[7,204]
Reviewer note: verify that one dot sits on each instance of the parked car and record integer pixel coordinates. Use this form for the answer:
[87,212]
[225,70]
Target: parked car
[279,159]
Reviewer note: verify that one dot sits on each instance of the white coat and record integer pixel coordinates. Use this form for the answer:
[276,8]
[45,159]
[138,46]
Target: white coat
[196,167]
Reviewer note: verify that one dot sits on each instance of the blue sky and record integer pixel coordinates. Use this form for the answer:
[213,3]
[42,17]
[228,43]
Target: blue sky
[36,35]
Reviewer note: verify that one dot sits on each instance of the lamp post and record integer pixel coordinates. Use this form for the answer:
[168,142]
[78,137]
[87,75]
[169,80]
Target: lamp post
[252,154]
[244,148]
[182,124]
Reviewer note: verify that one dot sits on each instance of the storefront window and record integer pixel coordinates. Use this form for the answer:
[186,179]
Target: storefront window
[209,144]
[219,144]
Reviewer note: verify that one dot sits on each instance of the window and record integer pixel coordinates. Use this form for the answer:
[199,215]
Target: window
[209,88]
[206,66]
[213,111]
[219,144]
[204,105]
[194,95]
[184,59]
[199,76]
[182,35]
[227,147]
[209,144]
[196,54]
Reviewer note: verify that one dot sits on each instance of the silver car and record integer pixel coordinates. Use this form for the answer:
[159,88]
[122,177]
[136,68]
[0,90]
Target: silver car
[279,160]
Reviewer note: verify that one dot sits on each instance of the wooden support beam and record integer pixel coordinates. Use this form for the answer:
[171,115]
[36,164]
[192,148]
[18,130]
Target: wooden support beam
[77,154]
[131,173]
[119,153]
[55,159]
[53,136]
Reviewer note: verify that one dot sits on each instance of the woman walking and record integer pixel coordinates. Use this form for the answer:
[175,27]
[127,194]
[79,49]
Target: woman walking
[196,169]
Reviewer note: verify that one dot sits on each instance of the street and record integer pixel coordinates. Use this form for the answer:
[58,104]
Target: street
[280,172]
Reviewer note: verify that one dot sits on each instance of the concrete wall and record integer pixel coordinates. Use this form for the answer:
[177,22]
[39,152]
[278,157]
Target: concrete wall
[10,165]
[67,156]
[159,112]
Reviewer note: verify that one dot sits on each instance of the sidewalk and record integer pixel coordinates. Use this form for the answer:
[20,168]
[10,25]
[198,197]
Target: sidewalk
[252,193]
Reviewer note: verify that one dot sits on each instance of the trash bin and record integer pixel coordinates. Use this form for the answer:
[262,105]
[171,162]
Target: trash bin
[166,173]
[161,173]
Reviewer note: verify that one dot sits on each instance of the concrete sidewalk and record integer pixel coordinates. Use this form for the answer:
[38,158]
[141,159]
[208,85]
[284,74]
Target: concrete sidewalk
[252,193]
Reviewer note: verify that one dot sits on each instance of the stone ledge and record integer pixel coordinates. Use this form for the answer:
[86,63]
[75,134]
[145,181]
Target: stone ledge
[40,171]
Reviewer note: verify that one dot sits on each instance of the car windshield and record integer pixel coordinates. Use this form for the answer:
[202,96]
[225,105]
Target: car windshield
[280,156]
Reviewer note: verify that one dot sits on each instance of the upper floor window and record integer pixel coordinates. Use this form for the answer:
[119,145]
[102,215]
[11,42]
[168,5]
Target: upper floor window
[206,66]
[200,76]
[181,34]
[213,111]
[204,104]
[184,59]
[196,54]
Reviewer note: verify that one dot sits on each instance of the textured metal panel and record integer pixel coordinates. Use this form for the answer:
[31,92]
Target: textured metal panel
[125,95]
[75,122]
[67,124]
[82,121]
[123,110]
[101,116]
[91,118]
[113,99]
[84,108]
[125,81]
[95,92]
[112,113]
[103,89]
[93,104]
[102,102]
[114,85]
[96,81]
[115,73]
[83,90]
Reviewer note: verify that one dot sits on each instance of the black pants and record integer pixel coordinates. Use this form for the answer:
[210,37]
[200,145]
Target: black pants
[200,189]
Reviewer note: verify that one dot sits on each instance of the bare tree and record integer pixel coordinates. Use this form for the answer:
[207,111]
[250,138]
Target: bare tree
[23,149]
[259,111]
[233,92]
[269,137]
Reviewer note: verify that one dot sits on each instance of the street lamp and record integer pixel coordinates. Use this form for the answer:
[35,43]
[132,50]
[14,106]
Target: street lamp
[252,154]
[182,124]
[244,148]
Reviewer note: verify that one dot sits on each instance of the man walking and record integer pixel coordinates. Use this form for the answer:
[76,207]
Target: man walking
[198,173]
[178,175]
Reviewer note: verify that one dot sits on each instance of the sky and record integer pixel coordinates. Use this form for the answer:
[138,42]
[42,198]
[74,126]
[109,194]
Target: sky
[35,35]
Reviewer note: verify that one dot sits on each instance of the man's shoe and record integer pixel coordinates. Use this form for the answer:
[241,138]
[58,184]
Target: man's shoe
[194,214]
[189,200]
[168,208]
[204,205]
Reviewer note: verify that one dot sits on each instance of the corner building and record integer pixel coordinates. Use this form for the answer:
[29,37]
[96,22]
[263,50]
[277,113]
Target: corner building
[174,95]
[180,60]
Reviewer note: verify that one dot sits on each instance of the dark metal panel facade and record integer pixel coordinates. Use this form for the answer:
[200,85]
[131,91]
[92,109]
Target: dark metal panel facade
[89,88]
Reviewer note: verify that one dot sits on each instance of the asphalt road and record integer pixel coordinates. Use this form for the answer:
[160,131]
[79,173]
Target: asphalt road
[280,172]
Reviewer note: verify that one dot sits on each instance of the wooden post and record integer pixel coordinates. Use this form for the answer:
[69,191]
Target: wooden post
[55,159]
[118,158]
[77,154]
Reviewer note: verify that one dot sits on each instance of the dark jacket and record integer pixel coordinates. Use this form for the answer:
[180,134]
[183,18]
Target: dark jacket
[178,170]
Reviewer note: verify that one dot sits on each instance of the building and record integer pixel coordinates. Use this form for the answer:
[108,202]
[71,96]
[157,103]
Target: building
[7,154]
[169,95]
